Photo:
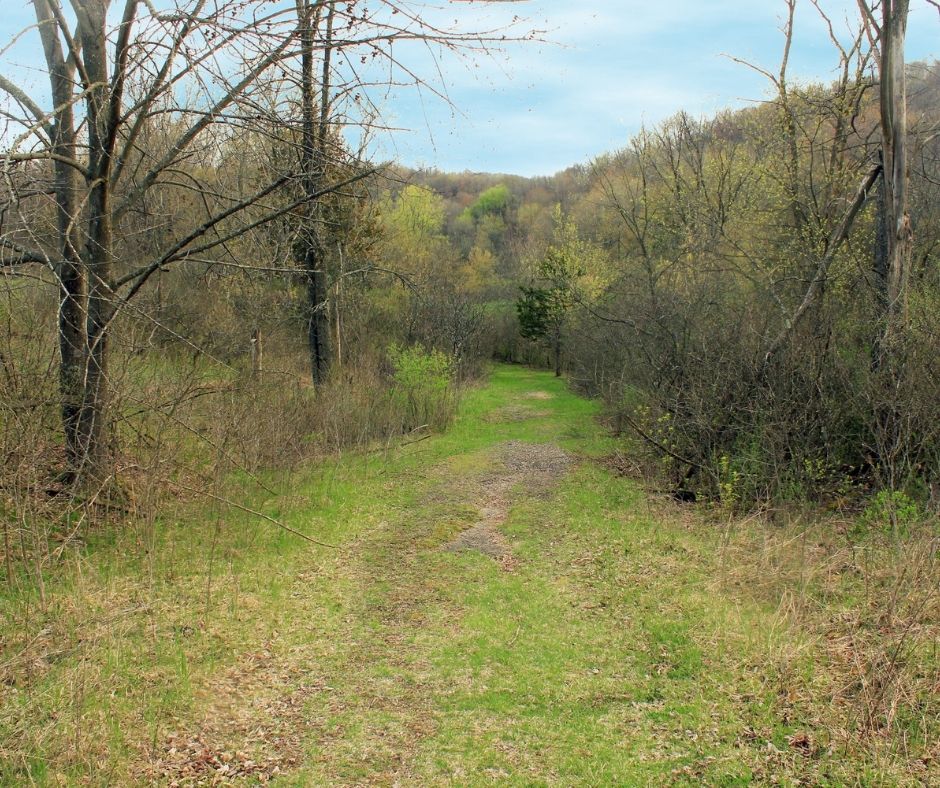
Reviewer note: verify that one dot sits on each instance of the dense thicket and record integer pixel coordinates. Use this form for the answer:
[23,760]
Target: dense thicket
[670,279]
[698,336]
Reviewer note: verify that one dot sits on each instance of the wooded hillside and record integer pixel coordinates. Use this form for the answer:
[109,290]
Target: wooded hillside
[321,469]
[721,283]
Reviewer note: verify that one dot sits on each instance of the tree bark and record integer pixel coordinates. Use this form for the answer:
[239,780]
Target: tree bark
[556,351]
[313,165]
[93,417]
[69,271]
[337,307]
[318,324]
[103,97]
[898,233]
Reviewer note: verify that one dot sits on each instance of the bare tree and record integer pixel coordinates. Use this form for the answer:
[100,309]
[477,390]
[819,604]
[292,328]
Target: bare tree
[91,135]
[345,37]
[886,22]
[201,70]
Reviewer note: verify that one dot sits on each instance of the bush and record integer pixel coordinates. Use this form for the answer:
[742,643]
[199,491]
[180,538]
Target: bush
[423,386]
[284,420]
[892,511]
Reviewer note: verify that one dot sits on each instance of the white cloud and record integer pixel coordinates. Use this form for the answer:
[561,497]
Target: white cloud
[609,66]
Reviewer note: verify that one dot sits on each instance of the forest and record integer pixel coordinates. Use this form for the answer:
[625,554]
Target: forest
[324,470]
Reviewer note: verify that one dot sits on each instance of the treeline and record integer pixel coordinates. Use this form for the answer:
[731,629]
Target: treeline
[724,285]
[746,327]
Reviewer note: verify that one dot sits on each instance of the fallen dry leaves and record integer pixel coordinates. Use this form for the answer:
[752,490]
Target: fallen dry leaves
[260,738]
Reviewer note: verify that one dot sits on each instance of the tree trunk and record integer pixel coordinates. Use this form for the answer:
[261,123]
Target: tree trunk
[337,308]
[894,250]
[94,417]
[880,273]
[898,235]
[880,261]
[556,350]
[94,427]
[69,272]
[313,165]
[72,340]
[318,325]
[789,123]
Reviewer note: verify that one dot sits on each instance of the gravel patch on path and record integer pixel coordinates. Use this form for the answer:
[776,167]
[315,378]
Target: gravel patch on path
[534,466]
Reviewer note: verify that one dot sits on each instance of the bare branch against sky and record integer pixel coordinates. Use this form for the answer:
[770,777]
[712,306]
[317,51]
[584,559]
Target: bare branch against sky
[610,66]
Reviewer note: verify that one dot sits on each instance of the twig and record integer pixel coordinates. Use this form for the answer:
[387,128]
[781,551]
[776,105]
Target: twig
[386,448]
[262,515]
[647,437]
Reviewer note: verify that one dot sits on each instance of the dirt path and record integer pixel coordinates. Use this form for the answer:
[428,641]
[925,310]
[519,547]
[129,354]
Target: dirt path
[500,609]
[506,611]
[533,468]
[256,714]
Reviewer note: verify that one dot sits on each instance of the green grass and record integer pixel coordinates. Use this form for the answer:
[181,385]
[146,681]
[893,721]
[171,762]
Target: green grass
[606,652]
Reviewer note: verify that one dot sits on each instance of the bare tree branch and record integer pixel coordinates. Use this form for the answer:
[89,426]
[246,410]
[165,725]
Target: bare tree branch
[835,242]
[31,106]
[203,123]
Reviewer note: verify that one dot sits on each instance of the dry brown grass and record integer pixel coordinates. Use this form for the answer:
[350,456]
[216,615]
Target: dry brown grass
[192,433]
[858,623]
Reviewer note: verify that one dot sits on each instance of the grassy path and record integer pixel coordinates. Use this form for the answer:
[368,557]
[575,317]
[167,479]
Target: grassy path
[500,610]
[571,639]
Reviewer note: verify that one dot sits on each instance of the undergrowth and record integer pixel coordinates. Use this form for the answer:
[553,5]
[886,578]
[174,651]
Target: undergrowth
[626,640]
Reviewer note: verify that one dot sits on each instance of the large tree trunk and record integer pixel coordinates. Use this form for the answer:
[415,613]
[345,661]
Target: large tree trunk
[94,416]
[69,271]
[894,242]
[898,236]
[313,163]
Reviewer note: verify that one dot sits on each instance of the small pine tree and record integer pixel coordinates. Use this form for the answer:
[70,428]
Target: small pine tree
[543,308]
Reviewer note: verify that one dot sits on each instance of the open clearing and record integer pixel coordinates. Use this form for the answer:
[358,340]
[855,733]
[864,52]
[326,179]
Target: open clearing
[500,609]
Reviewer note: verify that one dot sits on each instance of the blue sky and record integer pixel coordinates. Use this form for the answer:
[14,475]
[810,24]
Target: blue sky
[610,67]
[618,64]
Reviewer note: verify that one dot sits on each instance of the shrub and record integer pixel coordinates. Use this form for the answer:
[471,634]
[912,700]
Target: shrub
[893,511]
[423,386]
